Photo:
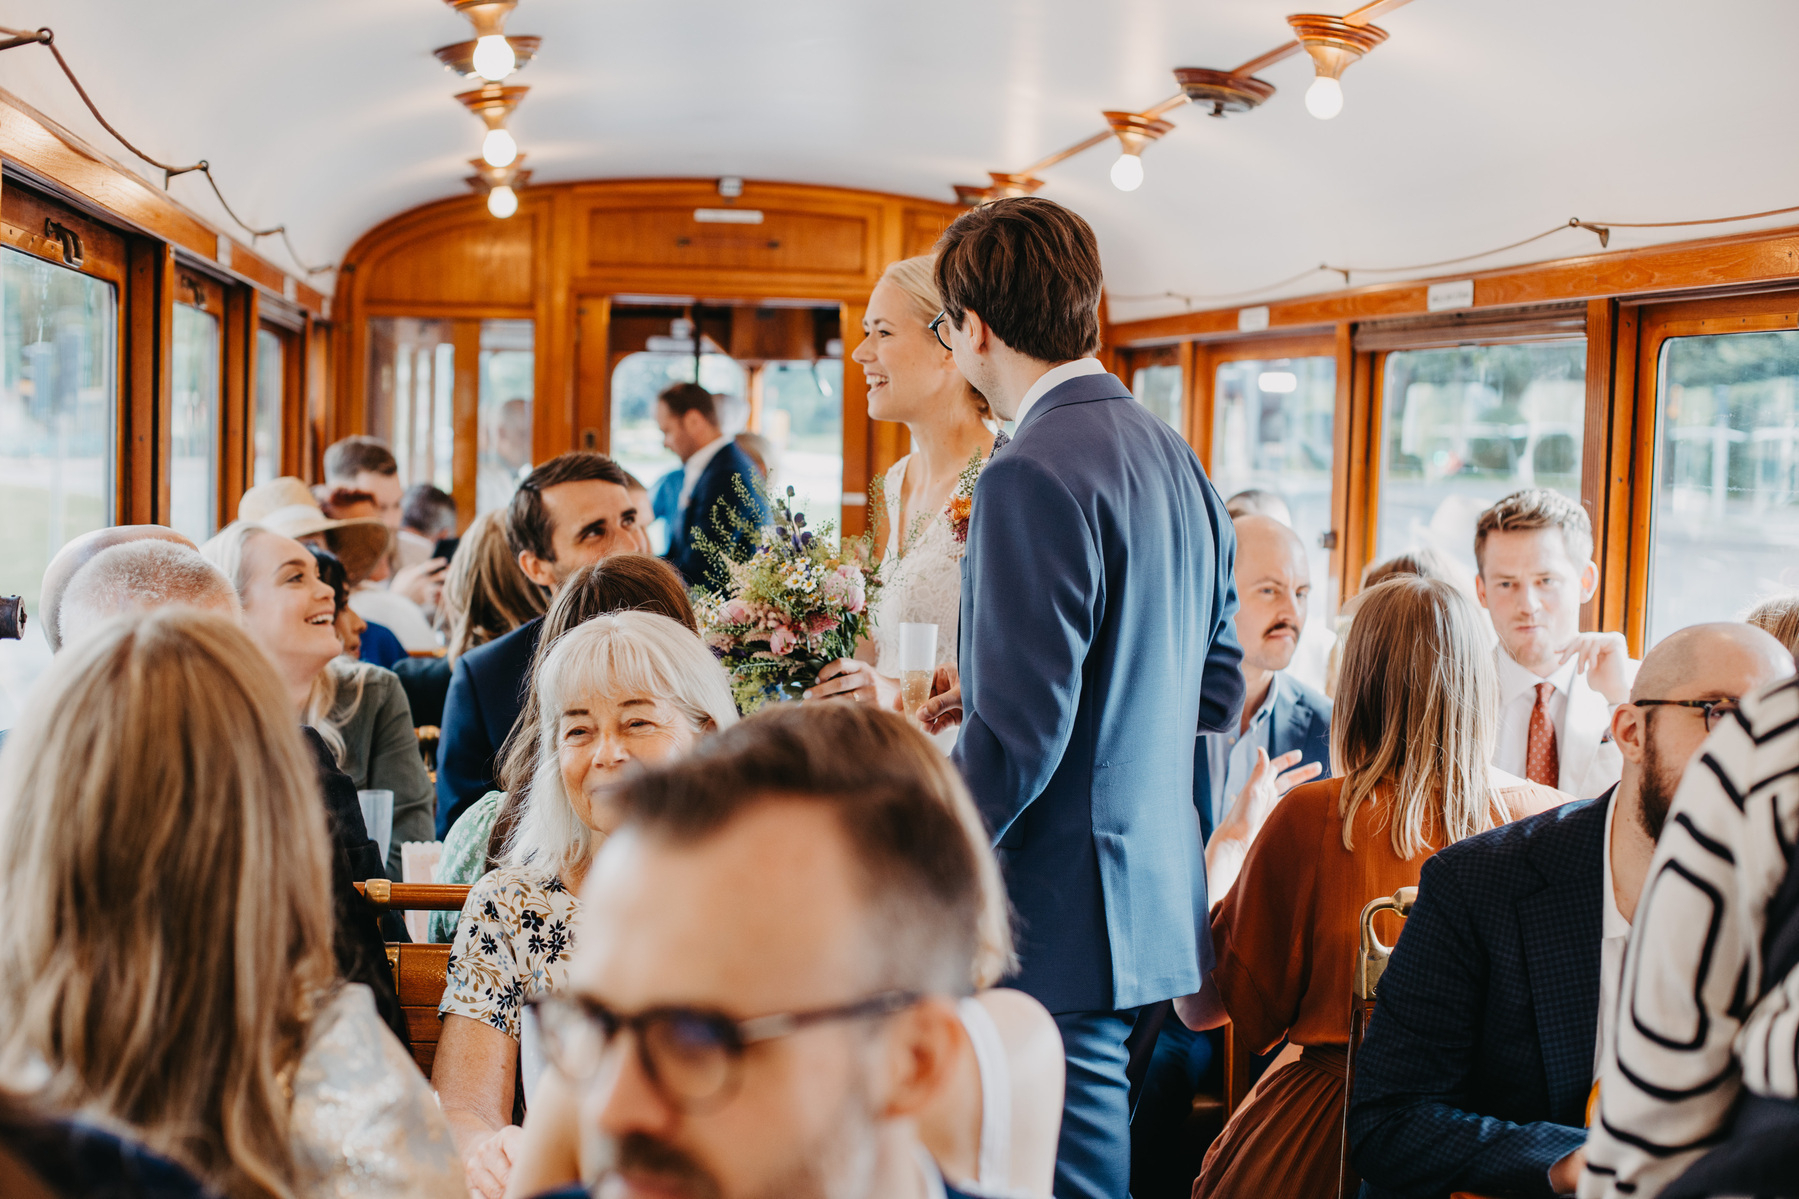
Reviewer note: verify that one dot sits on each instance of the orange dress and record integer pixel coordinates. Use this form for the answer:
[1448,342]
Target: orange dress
[1286,937]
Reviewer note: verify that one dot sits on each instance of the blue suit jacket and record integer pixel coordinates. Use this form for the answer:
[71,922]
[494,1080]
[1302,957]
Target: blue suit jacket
[1097,635]
[1301,720]
[714,497]
[487,692]
[1479,1057]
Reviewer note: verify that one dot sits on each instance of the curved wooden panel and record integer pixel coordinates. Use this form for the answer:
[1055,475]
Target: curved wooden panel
[783,241]
[481,261]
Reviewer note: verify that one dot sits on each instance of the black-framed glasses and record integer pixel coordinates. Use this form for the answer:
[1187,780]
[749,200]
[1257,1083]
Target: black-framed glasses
[693,1056]
[1715,710]
[936,328]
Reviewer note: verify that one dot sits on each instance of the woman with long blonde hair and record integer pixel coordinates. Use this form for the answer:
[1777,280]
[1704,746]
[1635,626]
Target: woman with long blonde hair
[1411,737]
[166,962]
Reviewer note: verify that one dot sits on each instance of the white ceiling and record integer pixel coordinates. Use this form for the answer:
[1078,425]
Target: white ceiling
[1475,125]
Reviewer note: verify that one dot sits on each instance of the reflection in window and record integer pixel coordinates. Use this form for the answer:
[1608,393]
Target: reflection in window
[1466,426]
[265,431]
[802,418]
[412,384]
[1272,425]
[1726,510]
[636,439]
[507,367]
[58,387]
[194,424]
[1158,388]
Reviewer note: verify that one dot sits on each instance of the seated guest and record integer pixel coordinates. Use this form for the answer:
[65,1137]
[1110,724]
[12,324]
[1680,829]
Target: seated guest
[407,622]
[427,512]
[718,482]
[623,582]
[1416,673]
[361,640]
[786,929]
[78,553]
[1425,563]
[1256,501]
[630,687]
[1779,618]
[366,464]
[573,510]
[165,964]
[1557,685]
[1706,1057]
[640,499]
[73,1159]
[141,576]
[1482,1050]
[359,710]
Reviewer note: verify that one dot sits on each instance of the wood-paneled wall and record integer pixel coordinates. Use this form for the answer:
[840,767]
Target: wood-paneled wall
[572,247]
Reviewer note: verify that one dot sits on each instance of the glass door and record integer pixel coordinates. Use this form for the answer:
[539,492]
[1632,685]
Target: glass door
[195,431]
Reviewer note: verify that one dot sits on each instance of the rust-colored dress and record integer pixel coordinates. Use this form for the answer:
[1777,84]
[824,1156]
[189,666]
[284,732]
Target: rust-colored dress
[1286,937]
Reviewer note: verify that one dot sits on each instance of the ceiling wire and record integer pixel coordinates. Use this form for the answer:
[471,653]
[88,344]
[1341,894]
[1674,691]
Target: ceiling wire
[47,38]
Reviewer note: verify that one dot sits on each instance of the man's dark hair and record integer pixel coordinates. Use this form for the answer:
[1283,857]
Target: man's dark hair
[1030,268]
[528,524]
[683,398]
[428,510]
[346,459]
[911,827]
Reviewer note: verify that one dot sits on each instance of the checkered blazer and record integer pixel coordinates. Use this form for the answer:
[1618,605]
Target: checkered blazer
[1478,1059]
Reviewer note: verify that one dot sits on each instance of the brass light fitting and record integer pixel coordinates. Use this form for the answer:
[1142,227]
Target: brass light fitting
[1005,185]
[460,57]
[1222,91]
[1134,131]
[492,55]
[1333,44]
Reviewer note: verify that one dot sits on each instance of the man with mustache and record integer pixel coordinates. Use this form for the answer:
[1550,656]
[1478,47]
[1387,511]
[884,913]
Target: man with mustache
[1498,1003]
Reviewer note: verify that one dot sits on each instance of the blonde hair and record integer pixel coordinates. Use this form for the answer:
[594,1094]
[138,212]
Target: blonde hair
[485,593]
[623,651]
[164,870]
[917,278]
[1416,711]
[1779,618]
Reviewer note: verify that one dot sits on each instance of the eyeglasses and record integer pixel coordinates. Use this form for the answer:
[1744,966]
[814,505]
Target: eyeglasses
[936,328]
[693,1056]
[1715,709]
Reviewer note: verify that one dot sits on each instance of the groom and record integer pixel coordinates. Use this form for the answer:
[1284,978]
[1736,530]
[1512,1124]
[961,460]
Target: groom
[1097,640]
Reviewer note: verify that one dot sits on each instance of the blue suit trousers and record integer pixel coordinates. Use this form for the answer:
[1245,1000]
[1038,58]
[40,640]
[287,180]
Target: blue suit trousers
[1093,1157]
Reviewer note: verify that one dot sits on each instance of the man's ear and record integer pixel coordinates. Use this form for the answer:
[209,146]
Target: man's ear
[536,569]
[980,334]
[1630,732]
[1589,580]
[925,1045]
[1480,589]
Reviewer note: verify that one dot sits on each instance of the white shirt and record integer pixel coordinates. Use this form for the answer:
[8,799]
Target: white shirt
[1614,934]
[1055,376]
[1517,700]
[1231,755]
[698,461]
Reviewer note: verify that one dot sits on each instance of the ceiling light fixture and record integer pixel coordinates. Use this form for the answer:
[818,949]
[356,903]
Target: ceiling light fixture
[1333,44]
[1134,131]
[499,184]
[493,104]
[492,55]
[1222,91]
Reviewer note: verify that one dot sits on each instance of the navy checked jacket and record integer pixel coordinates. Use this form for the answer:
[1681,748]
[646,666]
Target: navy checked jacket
[1479,1057]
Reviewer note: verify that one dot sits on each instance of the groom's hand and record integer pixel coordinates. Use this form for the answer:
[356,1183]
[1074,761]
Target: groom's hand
[944,709]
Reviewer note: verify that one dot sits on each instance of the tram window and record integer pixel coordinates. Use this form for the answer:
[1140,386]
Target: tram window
[508,369]
[194,423]
[1157,387]
[412,387]
[1726,506]
[1464,426]
[265,429]
[802,417]
[636,439]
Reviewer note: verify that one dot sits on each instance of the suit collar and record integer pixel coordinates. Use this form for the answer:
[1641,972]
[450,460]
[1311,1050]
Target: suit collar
[1079,390]
[1291,719]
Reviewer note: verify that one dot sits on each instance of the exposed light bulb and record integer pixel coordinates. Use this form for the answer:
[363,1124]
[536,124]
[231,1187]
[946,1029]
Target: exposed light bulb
[502,201]
[1324,99]
[498,149]
[1127,173]
[493,58]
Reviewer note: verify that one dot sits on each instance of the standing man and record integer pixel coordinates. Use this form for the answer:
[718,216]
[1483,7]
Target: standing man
[712,470]
[1097,638]
[1557,685]
[570,512]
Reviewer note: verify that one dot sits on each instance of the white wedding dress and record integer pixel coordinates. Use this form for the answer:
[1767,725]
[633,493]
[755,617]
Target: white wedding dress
[921,583]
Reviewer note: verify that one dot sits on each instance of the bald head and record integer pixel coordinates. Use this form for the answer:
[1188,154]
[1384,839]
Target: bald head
[1274,582]
[76,554]
[1711,661]
[142,576]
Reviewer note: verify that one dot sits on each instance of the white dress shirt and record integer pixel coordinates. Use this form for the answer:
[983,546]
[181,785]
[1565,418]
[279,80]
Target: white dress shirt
[1614,934]
[697,462]
[1517,700]
[1231,755]
[1055,376]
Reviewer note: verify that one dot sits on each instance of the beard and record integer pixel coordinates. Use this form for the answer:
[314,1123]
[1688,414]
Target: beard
[1655,793]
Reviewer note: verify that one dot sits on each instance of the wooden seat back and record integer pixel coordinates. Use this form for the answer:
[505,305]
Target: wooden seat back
[419,970]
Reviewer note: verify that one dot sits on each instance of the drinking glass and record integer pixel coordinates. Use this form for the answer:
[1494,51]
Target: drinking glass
[378,815]
[918,663]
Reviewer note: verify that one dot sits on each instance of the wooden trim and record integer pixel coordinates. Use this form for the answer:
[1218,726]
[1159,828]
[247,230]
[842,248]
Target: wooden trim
[862,456]
[593,374]
[465,412]
[144,359]
[1342,453]
[1360,538]
[237,398]
[1596,453]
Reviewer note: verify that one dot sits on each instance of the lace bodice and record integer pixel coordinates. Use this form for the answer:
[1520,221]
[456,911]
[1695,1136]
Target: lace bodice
[921,578]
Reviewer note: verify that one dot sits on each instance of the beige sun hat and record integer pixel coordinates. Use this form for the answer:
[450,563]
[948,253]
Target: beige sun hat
[286,506]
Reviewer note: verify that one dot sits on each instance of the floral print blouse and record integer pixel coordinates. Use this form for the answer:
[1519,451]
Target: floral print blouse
[514,941]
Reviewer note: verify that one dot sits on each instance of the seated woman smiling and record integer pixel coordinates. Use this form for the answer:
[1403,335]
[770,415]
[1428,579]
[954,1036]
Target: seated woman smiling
[624,688]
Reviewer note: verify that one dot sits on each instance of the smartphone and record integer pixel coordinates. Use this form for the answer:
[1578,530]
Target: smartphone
[445,548]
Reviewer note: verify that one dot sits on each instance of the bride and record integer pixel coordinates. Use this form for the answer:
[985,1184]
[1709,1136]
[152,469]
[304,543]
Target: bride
[912,378]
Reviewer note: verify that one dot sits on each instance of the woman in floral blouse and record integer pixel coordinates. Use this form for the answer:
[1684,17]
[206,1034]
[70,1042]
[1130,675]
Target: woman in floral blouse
[629,687]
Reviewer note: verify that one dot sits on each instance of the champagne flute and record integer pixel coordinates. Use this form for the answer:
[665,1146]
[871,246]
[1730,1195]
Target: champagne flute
[918,665]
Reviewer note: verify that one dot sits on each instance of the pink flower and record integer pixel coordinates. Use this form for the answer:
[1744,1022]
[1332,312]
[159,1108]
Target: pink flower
[782,640]
[848,588]
[734,612]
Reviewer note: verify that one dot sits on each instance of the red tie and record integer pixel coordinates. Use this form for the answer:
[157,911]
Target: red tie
[1542,762]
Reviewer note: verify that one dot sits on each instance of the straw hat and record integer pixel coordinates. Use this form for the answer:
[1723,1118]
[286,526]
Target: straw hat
[286,506]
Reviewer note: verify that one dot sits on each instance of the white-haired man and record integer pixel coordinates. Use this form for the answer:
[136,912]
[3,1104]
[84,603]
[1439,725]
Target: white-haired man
[141,576]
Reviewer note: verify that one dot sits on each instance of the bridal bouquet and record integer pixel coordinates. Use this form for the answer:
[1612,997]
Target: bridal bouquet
[793,605]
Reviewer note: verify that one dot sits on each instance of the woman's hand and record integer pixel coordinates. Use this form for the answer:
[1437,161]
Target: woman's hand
[856,680]
[488,1163]
[1249,811]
